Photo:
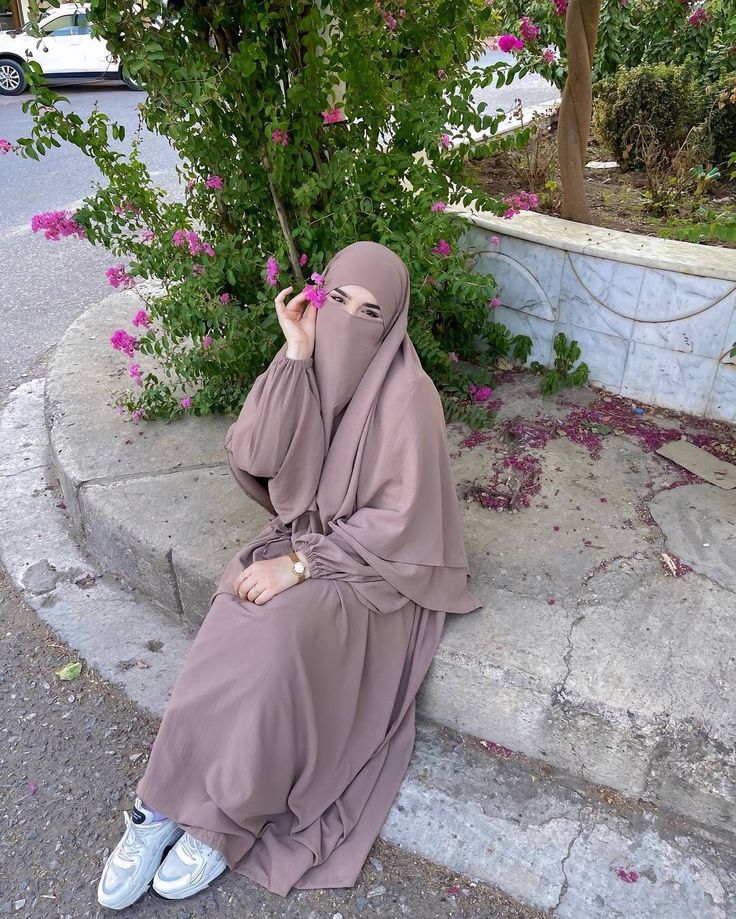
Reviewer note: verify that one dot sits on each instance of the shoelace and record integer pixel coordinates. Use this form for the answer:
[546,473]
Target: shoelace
[132,844]
[194,847]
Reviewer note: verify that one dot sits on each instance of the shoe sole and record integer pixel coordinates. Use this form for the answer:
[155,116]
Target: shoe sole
[189,893]
[164,852]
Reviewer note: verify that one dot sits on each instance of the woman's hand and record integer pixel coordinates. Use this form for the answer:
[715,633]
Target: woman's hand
[261,581]
[298,323]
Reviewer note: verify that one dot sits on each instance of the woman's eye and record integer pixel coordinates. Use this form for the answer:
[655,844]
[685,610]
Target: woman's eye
[374,314]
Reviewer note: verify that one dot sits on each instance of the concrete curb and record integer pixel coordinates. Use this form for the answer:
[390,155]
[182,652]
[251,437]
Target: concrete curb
[610,683]
[542,837]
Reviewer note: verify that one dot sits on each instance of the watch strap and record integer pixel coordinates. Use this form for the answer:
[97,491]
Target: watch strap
[294,559]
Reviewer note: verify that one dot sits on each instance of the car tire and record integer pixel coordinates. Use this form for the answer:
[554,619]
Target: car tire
[129,81]
[12,79]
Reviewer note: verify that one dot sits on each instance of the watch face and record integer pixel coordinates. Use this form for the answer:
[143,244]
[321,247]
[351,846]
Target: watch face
[299,567]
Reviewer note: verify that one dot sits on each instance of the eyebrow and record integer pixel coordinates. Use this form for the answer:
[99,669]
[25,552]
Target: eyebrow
[374,305]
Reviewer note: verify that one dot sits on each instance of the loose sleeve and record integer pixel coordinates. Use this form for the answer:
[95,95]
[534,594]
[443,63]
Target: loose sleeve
[333,558]
[275,448]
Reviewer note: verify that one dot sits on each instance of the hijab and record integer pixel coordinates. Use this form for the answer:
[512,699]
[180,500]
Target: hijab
[375,467]
[346,343]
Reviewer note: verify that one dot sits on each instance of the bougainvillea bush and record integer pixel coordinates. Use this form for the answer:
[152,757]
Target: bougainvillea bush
[300,128]
[698,34]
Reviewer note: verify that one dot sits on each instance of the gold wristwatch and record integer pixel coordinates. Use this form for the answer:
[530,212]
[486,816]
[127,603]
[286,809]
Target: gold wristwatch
[298,567]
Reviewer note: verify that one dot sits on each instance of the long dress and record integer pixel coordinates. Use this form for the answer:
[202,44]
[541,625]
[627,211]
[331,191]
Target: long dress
[291,724]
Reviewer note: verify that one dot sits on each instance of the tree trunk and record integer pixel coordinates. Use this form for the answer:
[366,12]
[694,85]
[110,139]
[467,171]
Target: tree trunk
[581,31]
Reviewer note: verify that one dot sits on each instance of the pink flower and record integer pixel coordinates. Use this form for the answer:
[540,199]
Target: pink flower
[56,224]
[186,402]
[214,182]
[699,18]
[31,788]
[142,318]
[206,341]
[135,371]
[507,43]
[190,184]
[117,276]
[480,393]
[193,241]
[303,259]
[521,201]
[549,55]
[402,14]
[226,298]
[124,341]
[137,414]
[495,241]
[529,32]
[280,137]
[453,357]
[389,20]
[273,271]
[442,248]
[560,7]
[197,269]
[315,293]
[438,206]
[5,146]
[441,74]
[333,115]
[631,877]
[551,601]
[147,236]
[495,303]
[445,141]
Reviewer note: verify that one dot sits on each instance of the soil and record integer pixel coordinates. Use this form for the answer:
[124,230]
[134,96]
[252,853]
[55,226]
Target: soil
[616,199]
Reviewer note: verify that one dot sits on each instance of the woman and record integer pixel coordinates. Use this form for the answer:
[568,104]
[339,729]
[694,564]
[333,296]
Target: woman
[292,722]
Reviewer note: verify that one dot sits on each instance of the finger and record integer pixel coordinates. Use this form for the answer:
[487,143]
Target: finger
[245,586]
[280,299]
[297,305]
[264,597]
[255,591]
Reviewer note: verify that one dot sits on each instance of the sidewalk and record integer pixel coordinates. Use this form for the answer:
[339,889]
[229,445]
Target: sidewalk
[584,664]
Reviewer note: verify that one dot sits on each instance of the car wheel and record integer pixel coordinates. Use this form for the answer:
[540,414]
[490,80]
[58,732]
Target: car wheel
[12,78]
[129,81]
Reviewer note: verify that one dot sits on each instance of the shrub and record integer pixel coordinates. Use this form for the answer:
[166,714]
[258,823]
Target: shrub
[651,102]
[300,128]
[721,118]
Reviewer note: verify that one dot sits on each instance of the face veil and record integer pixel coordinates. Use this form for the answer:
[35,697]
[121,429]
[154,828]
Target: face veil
[346,344]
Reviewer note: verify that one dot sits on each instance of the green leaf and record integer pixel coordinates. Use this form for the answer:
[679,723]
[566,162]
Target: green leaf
[69,671]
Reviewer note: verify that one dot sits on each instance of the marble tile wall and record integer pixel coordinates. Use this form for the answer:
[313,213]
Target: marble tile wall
[657,335]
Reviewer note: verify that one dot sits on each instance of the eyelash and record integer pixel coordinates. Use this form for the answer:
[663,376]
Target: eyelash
[372,313]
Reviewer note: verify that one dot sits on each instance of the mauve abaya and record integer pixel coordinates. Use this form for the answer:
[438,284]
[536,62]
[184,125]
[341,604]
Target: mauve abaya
[292,723]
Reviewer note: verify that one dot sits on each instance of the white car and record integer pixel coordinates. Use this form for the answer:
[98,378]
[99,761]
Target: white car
[68,52]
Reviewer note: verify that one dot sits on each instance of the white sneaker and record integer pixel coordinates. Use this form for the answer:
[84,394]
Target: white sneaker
[191,866]
[133,862]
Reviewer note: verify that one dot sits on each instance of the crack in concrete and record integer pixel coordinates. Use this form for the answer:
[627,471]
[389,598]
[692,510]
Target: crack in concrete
[149,474]
[7,475]
[558,690]
[565,879]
